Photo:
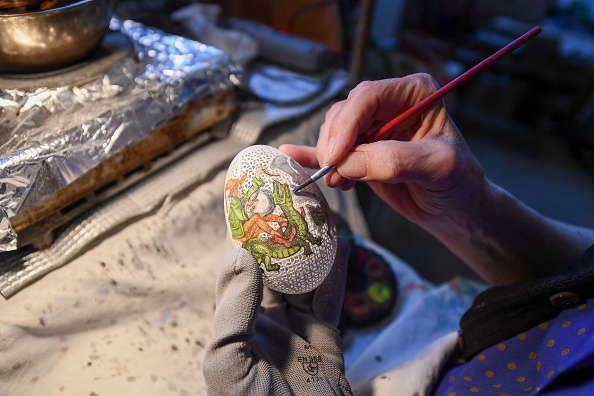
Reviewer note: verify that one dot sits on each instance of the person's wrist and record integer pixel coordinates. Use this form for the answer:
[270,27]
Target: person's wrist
[473,228]
[495,236]
[469,209]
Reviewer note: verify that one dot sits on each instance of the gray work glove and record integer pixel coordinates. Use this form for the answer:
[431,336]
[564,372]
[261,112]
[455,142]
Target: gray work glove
[268,343]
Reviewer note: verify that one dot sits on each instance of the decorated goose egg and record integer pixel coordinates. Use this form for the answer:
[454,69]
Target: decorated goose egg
[291,235]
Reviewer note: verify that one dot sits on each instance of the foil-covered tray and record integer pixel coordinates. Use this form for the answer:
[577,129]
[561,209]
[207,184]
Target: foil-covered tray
[82,129]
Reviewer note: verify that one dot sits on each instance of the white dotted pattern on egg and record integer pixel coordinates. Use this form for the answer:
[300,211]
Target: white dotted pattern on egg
[292,236]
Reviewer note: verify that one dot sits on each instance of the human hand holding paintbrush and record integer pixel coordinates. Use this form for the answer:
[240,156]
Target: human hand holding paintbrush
[423,165]
[418,107]
[423,168]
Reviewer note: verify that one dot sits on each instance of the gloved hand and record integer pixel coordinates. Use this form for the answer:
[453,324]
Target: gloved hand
[268,343]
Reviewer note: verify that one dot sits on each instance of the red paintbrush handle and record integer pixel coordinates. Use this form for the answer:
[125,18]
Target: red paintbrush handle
[440,93]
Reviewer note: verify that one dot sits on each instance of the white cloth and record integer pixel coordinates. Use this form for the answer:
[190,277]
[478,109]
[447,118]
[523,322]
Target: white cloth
[415,341]
[132,315]
[415,376]
[200,21]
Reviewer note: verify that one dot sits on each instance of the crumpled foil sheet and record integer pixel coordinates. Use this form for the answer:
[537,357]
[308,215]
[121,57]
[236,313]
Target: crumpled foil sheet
[50,137]
[21,268]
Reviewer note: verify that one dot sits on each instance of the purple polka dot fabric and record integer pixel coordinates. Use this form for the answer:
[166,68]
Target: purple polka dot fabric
[531,362]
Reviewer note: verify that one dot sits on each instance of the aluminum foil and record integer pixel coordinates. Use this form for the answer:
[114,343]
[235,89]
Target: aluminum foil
[51,136]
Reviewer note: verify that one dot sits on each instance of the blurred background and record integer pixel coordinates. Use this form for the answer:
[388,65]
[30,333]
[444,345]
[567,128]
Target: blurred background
[529,118]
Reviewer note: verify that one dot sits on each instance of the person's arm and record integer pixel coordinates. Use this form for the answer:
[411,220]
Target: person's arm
[506,241]
[426,172]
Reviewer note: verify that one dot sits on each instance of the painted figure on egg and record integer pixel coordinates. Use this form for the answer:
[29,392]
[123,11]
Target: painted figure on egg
[252,221]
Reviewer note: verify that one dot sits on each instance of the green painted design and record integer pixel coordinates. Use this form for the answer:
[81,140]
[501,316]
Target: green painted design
[247,224]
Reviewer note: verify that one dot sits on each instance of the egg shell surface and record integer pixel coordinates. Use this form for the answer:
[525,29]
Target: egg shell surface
[291,235]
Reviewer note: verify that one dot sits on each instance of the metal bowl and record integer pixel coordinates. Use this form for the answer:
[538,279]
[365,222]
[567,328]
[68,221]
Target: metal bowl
[40,41]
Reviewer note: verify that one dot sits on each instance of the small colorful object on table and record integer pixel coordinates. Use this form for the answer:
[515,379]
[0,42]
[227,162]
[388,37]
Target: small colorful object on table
[291,235]
[371,289]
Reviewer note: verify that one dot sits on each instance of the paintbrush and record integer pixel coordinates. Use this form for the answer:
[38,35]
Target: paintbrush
[434,97]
